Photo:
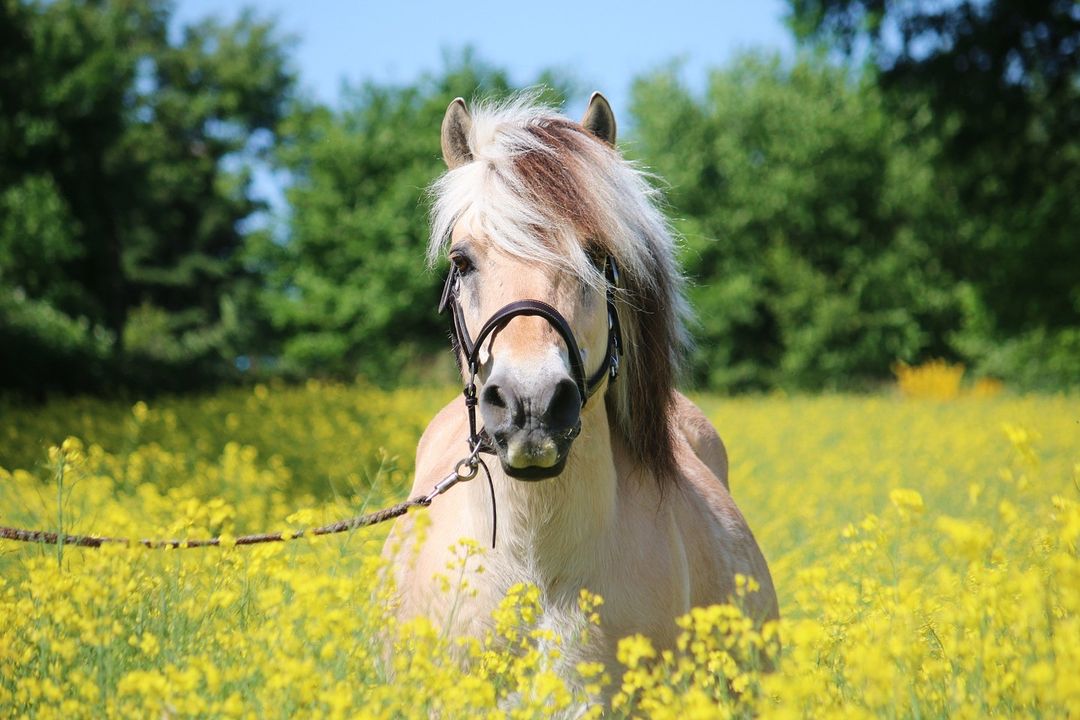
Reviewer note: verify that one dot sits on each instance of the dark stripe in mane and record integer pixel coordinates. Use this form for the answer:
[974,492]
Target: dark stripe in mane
[550,179]
[557,178]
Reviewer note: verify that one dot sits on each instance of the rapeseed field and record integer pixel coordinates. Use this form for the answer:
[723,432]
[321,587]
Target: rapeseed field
[924,547]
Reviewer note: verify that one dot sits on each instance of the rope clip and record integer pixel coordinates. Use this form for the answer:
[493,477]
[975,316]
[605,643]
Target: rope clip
[466,469]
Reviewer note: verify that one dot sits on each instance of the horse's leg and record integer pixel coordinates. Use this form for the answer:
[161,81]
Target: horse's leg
[702,437]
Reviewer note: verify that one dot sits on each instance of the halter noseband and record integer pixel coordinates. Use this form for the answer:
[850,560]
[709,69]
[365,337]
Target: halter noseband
[587,386]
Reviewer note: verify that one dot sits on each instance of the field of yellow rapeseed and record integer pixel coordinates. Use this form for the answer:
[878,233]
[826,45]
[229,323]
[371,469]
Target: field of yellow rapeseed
[925,552]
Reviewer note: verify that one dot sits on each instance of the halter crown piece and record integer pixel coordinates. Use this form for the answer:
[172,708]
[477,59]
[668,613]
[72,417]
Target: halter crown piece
[587,386]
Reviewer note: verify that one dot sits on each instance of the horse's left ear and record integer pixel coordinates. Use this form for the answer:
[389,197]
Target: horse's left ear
[599,120]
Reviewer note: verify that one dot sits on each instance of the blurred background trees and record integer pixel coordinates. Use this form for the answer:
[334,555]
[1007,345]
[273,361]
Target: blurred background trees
[905,189]
[125,170]
[811,223]
[347,292]
[999,84]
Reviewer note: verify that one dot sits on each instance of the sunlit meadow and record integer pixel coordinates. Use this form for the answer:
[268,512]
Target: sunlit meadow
[923,542]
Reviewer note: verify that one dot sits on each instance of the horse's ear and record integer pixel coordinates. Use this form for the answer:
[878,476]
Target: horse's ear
[599,120]
[456,125]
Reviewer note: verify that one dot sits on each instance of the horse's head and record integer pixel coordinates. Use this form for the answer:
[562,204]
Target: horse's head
[540,335]
[534,213]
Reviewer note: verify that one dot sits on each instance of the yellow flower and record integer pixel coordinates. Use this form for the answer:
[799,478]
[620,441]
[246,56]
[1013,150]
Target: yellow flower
[971,613]
[632,650]
[141,411]
[907,502]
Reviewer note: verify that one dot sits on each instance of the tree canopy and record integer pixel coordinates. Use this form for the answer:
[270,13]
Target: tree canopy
[904,189]
[809,221]
[1001,79]
[348,292]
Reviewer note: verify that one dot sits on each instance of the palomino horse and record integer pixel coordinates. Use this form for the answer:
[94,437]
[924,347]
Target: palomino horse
[568,313]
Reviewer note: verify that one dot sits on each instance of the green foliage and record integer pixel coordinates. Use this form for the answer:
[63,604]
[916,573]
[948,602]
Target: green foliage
[807,217]
[37,238]
[349,292]
[125,163]
[45,349]
[1041,359]
[916,201]
[1001,83]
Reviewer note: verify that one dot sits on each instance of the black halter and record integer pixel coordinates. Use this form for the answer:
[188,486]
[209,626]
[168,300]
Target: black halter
[587,386]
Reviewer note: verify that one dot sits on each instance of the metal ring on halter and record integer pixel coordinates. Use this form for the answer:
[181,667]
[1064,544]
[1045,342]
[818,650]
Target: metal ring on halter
[471,464]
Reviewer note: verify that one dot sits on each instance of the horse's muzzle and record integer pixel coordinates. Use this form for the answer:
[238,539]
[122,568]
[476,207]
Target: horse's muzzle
[531,428]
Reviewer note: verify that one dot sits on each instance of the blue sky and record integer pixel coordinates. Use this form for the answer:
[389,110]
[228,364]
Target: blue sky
[602,44]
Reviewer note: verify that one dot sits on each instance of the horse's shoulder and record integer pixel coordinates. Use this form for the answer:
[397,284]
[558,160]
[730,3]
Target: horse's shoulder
[717,537]
[701,436]
[448,421]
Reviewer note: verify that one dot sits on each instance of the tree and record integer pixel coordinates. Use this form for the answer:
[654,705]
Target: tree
[124,177]
[808,221]
[349,293]
[1002,81]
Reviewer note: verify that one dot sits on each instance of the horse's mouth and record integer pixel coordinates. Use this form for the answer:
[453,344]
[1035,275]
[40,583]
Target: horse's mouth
[533,473]
[532,454]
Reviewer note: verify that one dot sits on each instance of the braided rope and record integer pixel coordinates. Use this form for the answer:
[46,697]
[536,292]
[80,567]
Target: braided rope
[95,541]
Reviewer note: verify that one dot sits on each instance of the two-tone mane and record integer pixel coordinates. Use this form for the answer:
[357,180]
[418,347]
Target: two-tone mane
[544,189]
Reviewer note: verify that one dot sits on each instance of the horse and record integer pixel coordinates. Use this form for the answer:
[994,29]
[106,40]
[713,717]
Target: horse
[569,321]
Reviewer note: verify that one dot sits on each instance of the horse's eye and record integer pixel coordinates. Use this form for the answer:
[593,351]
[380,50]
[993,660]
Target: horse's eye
[461,262]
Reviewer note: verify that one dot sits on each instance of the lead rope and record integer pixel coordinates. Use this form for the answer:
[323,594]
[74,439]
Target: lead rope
[465,469]
[95,541]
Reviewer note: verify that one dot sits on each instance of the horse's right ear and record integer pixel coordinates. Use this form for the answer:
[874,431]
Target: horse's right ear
[456,125]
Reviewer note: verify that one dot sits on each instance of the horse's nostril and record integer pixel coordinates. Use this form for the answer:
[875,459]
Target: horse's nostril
[493,397]
[500,407]
[564,408]
[553,410]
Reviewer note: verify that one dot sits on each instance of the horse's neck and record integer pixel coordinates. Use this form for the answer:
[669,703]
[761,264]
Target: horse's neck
[556,530]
